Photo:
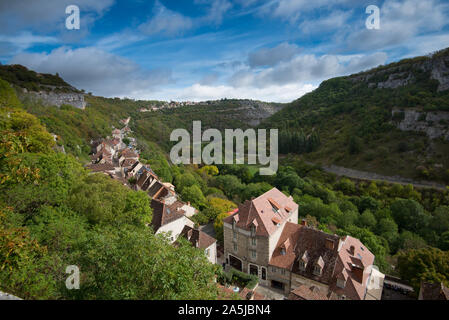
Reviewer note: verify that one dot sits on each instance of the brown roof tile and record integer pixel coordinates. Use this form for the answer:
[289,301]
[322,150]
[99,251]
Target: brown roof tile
[197,238]
[268,210]
[162,214]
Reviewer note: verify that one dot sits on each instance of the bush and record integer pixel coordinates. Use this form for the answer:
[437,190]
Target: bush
[240,278]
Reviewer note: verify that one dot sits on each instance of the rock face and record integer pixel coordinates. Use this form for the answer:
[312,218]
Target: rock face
[398,75]
[58,99]
[255,111]
[435,123]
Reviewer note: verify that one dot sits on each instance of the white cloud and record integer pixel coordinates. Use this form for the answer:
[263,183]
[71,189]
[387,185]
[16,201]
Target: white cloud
[166,21]
[306,68]
[46,16]
[292,10]
[11,45]
[199,92]
[95,70]
[400,22]
[271,56]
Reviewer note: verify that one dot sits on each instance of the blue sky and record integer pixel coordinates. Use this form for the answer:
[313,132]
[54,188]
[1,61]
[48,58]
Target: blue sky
[273,50]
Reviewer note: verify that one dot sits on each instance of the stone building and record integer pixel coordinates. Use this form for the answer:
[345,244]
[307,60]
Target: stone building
[263,238]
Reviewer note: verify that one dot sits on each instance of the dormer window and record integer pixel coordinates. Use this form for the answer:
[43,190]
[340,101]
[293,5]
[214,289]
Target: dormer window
[317,270]
[253,230]
[318,267]
[283,251]
[341,283]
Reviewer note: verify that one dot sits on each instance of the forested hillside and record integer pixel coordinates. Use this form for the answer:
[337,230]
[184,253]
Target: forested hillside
[358,120]
[54,214]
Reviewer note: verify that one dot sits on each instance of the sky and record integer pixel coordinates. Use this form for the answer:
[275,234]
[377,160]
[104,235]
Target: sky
[272,50]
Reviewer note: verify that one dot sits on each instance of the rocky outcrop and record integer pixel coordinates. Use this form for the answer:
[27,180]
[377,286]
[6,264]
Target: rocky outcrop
[58,99]
[254,112]
[434,67]
[434,123]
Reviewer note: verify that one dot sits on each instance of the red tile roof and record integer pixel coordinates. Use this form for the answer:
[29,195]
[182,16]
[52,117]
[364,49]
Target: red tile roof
[197,238]
[307,293]
[163,214]
[266,209]
[298,242]
[355,287]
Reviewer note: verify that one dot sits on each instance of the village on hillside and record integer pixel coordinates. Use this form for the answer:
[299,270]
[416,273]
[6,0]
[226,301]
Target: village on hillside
[283,259]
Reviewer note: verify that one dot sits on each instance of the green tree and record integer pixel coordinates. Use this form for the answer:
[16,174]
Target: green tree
[409,215]
[426,264]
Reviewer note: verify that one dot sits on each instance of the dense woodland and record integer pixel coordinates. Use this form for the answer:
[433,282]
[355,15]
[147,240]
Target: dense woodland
[356,128]
[54,214]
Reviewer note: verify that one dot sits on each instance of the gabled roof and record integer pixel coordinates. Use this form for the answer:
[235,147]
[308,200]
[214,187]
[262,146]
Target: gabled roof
[128,153]
[356,282]
[128,163]
[304,292]
[163,214]
[434,291]
[197,238]
[299,242]
[100,167]
[268,210]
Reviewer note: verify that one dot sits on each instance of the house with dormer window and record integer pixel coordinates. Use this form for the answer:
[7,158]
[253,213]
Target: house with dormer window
[263,238]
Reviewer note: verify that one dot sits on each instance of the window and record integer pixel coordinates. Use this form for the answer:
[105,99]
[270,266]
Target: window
[283,271]
[273,269]
[317,270]
[207,253]
[302,265]
[341,283]
[235,247]
[253,254]
[253,230]
[253,242]
[283,251]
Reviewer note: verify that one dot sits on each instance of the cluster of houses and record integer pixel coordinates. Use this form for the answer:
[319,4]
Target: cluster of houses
[121,161]
[168,105]
[262,237]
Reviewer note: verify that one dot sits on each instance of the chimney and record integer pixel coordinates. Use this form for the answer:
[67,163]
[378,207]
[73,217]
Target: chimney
[304,222]
[352,250]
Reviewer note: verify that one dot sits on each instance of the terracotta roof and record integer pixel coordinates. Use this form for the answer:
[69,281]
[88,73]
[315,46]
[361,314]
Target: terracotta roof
[268,210]
[434,291]
[355,287]
[128,163]
[128,153]
[197,238]
[307,293]
[100,167]
[158,190]
[298,242]
[162,214]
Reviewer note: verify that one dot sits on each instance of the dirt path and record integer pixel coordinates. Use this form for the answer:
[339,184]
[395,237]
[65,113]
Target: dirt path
[363,175]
